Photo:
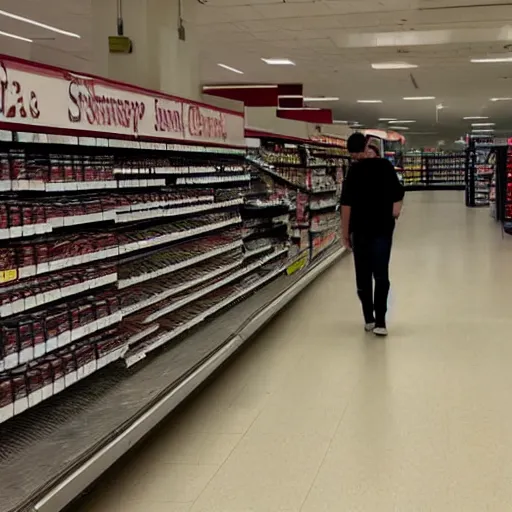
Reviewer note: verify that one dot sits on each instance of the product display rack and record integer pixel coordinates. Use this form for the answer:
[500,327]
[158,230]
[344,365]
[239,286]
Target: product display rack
[480,173]
[413,172]
[505,189]
[434,171]
[127,272]
[481,165]
[308,177]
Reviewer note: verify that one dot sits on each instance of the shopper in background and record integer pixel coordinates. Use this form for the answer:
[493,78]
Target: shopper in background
[371,200]
[373,151]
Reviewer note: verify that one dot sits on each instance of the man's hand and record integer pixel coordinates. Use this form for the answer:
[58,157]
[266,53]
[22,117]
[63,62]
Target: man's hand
[397,209]
[347,243]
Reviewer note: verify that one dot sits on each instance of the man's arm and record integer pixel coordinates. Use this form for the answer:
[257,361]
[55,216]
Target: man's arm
[346,209]
[397,192]
[345,225]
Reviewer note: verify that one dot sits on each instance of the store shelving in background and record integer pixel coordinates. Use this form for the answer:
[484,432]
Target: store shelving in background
[413,170]
[424,171]
[481,168]
[507,192]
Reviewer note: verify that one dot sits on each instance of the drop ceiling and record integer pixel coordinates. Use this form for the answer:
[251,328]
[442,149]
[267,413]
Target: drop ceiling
[333,44]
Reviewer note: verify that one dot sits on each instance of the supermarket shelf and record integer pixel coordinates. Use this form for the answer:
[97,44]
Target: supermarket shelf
[131,281]
[212,180]
[178,289]
[29,354]
[215,286]
[75,186]
[103,142]
[136,357]
[256,252]
[173,237]
[28,303]
[158,213]
[42,470]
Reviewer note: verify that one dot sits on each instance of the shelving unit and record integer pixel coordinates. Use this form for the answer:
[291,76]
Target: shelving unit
[308,177]
[507,192]
[429,171]
[481,172]
[136,255]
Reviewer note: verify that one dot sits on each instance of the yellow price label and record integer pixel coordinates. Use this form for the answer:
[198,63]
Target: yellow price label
[297,265]
[8,275]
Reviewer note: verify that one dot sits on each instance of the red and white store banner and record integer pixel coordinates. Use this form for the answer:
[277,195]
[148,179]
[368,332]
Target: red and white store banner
[35,97]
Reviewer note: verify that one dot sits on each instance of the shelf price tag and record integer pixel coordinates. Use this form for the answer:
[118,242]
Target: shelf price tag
[297,265]
[8,275]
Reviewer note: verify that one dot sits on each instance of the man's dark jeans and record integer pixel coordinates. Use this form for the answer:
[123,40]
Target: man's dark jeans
[371,257]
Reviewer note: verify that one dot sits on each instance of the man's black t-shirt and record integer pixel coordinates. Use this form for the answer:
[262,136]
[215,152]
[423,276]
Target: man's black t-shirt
[370,189]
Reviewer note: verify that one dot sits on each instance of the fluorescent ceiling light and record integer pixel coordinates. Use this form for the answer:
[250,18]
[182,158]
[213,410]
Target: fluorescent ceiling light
[369,101]
[393,65]
[279,62]
[37,24]
[14,36]
[483,131]
[490,60]
[298,108]
[419,98]
[470,118]
[389,119]
[483,124]
[400,127]
[336,121]
[501,99]
[322,98]
[229,68]
[408,121]
[215,87]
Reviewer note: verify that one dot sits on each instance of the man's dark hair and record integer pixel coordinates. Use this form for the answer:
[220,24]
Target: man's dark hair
[356,143]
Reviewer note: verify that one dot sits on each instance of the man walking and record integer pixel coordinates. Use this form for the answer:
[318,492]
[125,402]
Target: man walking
[371,200]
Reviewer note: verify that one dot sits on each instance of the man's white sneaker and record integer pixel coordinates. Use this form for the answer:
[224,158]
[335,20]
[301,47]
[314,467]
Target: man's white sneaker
[380,331]
[369,327]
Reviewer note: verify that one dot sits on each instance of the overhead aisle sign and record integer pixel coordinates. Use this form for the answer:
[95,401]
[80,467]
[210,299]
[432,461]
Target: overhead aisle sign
[34,96]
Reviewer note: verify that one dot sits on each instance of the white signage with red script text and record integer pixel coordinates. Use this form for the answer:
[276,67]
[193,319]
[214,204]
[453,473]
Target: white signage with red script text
[34,96]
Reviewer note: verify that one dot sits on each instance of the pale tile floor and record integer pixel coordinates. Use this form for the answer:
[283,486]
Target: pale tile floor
[318,416]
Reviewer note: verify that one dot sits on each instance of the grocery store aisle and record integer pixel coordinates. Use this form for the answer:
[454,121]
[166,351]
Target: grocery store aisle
[318,416]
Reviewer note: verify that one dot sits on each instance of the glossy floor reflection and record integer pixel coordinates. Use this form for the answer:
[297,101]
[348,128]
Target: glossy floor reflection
[318,416]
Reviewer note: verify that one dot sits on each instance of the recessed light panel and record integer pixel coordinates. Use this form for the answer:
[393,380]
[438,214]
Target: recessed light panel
[491,60]
[229,68]
[38,24]
[393,65]
[279,62]
[14,36]
[321,98]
